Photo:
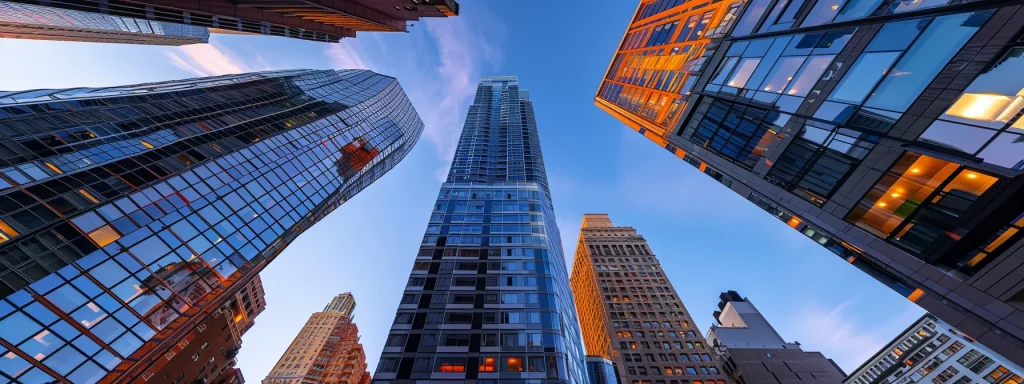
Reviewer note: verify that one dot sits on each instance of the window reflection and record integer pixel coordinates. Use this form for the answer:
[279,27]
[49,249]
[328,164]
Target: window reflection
[817,160]
[925,58]
[862,76]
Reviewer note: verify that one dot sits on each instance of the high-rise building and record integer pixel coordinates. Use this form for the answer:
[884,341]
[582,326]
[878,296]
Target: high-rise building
[886,131]
[28,21]
[300,19]
[631,314]
[488,298]
[752,352]
[132,215]
[930,351]
[601,371]
[326,351]
[660,57]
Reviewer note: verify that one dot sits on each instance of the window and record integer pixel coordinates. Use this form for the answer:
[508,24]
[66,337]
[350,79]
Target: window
[451,364]
[513,364]
[946,375]
[919,199]
[925,58]
[1000,373]
[737,132]
[862,76]
[487,364]
[814,164]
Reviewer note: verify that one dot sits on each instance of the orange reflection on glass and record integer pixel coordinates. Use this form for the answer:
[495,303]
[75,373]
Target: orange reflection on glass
[104,235]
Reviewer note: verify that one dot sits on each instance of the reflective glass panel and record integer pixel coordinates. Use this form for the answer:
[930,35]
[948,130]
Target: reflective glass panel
[862,76]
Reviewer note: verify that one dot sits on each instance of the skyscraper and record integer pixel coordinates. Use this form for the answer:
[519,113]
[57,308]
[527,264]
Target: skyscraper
[661,56]
[751,351]
[886,131]
[488,298]
[630,312]
[326,351]
[131,215]
[326,21]
[28,21]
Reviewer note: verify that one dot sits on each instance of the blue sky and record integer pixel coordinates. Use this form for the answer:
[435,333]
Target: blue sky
[708,238]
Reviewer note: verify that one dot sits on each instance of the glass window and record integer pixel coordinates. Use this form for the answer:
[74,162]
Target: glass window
[897,36]
[925,58]
[724,70]
[862,76]
[1007,150]
[817,160]
[808,75]
[959,137]
[855,9]
[743,71]
[823,12]
[995,96]
[782,73]
[905,192]
[751,16]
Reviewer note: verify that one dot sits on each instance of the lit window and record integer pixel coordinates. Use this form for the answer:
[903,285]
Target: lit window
[104,235]
[487,364]
[986,107]
[514,364]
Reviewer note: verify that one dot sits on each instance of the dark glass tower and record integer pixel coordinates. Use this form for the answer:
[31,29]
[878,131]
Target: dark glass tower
[488,300]
[36,22]
[130,215]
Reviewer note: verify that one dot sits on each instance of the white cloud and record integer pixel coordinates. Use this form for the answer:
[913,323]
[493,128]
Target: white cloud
[462,54]
[212,60]
[837,333]
[346,55]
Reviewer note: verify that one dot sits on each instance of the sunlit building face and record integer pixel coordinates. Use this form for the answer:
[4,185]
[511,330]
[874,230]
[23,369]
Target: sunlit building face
[132,216]
[877,129]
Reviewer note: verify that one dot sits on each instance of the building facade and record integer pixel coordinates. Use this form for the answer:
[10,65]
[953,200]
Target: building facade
[886,131]
[752,352]
[488,298]
[630,312]
[932,351]
[130,215]
[326,351]
[315,20]
[28,21]
[601,371]
[654,69]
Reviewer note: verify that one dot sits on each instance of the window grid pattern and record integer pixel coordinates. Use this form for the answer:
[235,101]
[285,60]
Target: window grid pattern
[488,296]
[97,284]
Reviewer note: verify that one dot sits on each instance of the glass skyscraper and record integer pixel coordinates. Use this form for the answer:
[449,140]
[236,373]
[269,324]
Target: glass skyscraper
[488,299]
[28,21]
[130,215]
[888,131]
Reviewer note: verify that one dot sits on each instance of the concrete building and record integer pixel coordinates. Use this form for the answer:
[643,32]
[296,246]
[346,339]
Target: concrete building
[326,351]
[889,132]
[315,20]
[631,314]
[752,352]
[931,351]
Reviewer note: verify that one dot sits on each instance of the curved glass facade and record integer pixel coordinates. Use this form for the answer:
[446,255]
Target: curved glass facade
[601,371]
[488,299]
[131,214]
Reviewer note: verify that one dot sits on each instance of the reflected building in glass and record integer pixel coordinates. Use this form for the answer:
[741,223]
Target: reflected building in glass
[488,298]
[35,22]
[142,22]
[133,217]
[887,131]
